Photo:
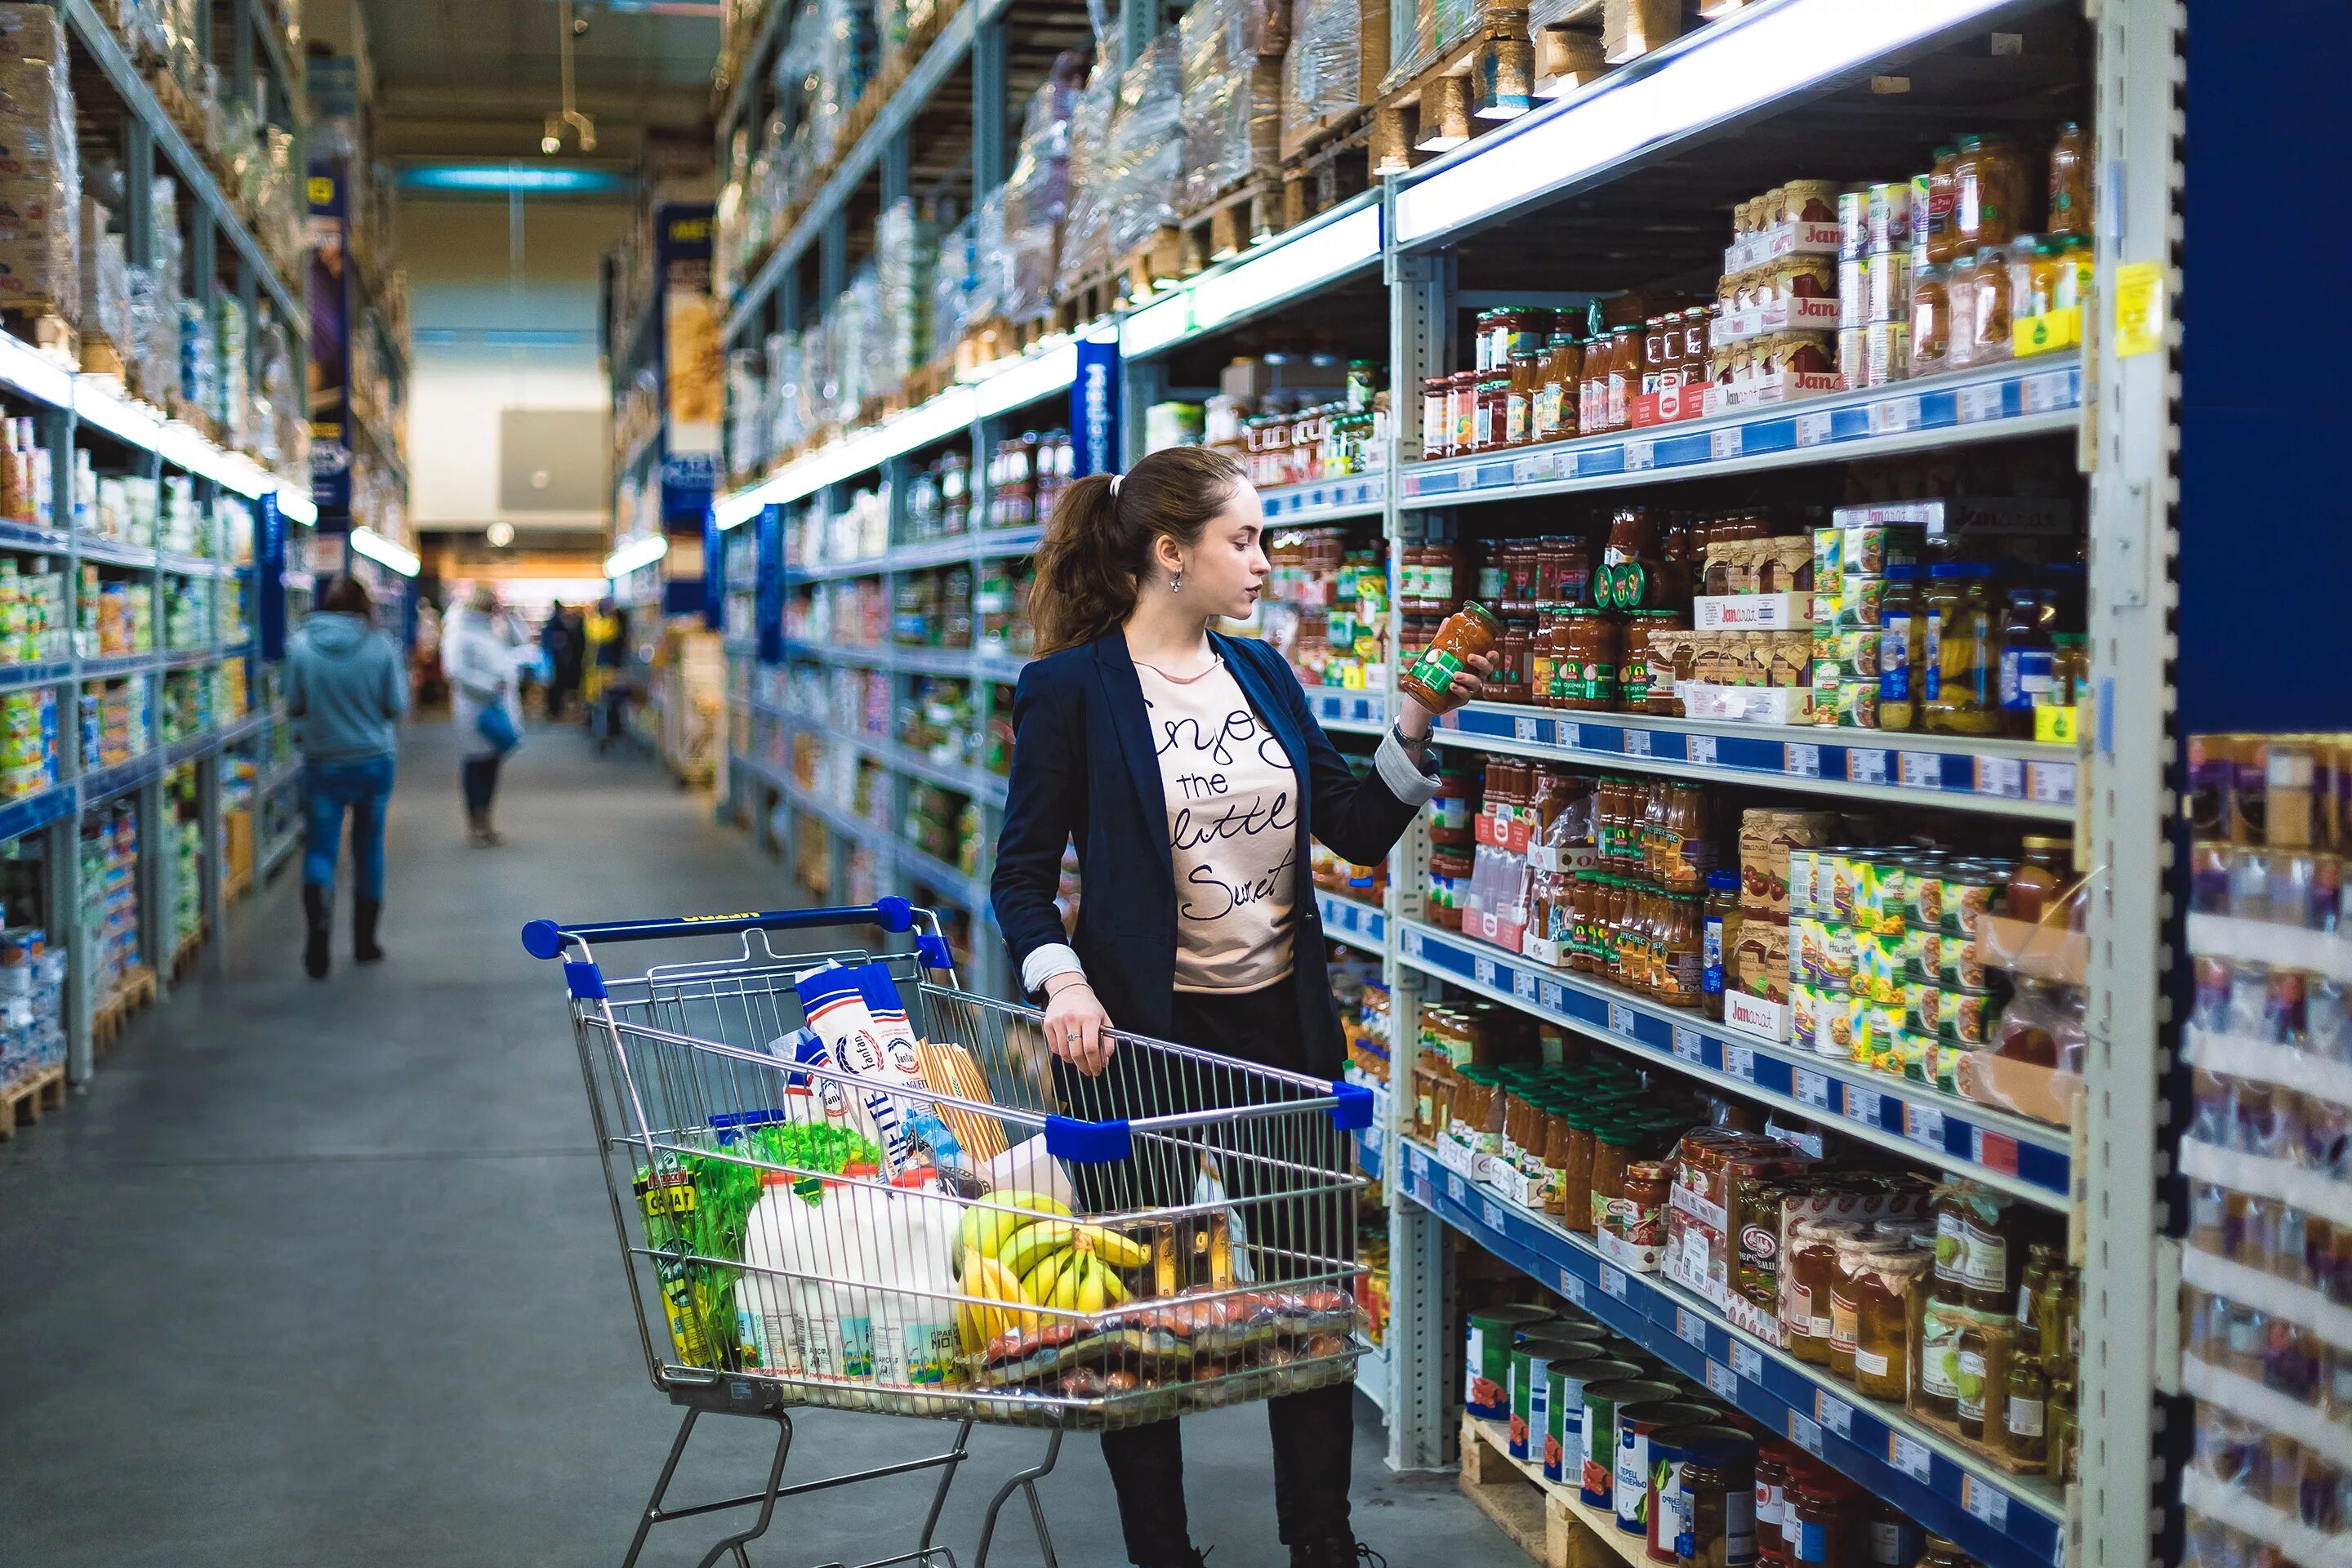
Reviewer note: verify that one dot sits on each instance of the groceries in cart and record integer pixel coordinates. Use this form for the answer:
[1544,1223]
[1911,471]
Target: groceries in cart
[865,1207]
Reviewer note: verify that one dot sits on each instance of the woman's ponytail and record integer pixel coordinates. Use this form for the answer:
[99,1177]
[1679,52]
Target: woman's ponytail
[1096,554]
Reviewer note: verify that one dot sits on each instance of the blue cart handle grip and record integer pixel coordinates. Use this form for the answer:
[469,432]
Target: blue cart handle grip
[545,938]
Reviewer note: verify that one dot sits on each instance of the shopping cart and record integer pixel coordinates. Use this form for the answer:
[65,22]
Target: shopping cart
[841,1181]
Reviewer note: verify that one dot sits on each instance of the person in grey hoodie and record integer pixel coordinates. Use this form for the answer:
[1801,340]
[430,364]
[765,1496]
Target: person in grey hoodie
[345,686]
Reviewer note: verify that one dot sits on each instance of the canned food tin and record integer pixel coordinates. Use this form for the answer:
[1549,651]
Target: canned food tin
[1877,966]
[1637,1426]
[1964,1017]
[1563,1441]
[1853,358]
[1804,1005]
[1886,353]
[1602,1403]
[1854,292]
[1959,963]
[1854,223]
[1968,893]
[1800,883]
[1486,1366]
[1889,207]
[1889,280]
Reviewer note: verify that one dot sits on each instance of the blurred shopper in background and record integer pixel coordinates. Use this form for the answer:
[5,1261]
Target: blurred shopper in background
[565,644]
[345,688]
[480,653]
[611,657]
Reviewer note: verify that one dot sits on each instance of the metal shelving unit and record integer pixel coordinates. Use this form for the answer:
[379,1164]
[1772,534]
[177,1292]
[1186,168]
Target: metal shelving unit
[1466,231]
[72,410]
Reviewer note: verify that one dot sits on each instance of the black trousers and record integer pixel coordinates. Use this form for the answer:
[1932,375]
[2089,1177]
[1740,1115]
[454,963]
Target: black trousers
[1314,1432]
[480,777]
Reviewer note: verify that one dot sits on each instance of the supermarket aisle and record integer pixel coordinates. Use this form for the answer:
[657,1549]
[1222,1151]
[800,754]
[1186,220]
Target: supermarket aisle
[324,1273]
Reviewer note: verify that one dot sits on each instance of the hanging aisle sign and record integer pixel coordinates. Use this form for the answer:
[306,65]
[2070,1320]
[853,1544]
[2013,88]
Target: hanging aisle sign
[331,346]
[1094,408]
[693,357]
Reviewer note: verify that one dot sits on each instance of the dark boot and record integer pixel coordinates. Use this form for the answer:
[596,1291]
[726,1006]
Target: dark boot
[363,917]
[1340,1551]
[1188,1558]
[319,929]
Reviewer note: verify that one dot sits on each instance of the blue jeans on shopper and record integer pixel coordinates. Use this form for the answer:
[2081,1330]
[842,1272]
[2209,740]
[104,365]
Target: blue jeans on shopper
[365,788]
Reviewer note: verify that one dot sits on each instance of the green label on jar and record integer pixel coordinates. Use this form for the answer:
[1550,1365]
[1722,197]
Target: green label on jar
[1436,669]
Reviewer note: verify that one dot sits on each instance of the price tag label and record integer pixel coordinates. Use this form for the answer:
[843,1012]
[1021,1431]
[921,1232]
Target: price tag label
[1483,969]
[1417,1164]
[1641,454]
[1722,443]
[1747,1361]
[1978,404]
[1542,465]
[1812,430]
[1551,994]
[1802,759]
[1909,1456]
[1740,1063]
[1454,1187]
[1720,1381]
[1690,1327]
[1492,1213]
[1981,1499]
[2001,776]
[1523,729]
[1687,1047]
[1812,1089]
[1923,1126]
[1702,751]
[1835,1414]
[1922,770]
[2053,783]
[1866,764]
[1805,1434]
[1637,742]
[1864,1104]
[1614,1281]
[1621,1019]
[1893,416]
[1571,1286]
[2049,393]
[1413,944]
[1523,984]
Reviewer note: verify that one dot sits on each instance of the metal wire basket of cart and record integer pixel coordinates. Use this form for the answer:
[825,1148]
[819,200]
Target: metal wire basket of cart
[841,1181]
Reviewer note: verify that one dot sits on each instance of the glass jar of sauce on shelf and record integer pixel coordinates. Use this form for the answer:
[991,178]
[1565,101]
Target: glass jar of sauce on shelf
[2071,180]
[1556,398]
[1437,417]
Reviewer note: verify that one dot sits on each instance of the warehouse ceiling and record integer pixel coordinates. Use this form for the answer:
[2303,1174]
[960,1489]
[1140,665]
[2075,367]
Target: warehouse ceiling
[460,79]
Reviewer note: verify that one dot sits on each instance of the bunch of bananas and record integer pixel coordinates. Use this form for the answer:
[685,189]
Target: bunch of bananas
[1049,1261]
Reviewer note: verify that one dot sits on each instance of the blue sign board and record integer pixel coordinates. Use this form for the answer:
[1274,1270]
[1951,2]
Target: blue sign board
[1094,409]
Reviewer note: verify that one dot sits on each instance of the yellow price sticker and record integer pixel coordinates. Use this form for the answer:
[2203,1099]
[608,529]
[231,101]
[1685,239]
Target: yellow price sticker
[2139,307]
[322,190]
[2054,726]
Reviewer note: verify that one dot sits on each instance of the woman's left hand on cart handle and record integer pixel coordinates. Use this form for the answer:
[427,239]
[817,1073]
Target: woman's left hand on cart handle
[1077,1028]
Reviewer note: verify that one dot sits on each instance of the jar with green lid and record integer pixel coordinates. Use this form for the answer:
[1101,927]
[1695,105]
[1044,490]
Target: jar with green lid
[1958,694]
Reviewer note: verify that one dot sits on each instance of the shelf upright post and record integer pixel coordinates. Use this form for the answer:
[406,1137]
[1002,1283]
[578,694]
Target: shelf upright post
[1138,20]
[1420,1349]
[241,46]
[212,799]
[2123,1186]
[991,112]
[57,430]
[833,259]
[139,192]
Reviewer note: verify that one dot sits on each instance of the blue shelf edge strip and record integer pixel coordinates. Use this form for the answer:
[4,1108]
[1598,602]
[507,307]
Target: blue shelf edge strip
[1877,759]
[1941,1127]
[1979,1509]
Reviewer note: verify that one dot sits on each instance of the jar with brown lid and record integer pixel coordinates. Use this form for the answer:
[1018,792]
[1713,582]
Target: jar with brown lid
[1989,191]
[1943,196]
[2071,181]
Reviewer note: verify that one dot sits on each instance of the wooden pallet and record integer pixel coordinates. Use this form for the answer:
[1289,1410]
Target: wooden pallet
[22,1102]
[1089,299]
[1434,110]
[1237,217]
[100,357]
[1549,1522]
[1152,266]
[1328,170]
[42,327]
[136,991]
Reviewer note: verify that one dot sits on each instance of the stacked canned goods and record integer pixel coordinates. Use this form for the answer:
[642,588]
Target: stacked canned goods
[1888,973]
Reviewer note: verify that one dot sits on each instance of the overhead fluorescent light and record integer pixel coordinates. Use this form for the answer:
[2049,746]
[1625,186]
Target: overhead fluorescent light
[1156,326]
[736,510]
[1032,379]
[507,178]
[931,421]
[296,506]
[1733,67]
[95,404]
[25,368]
[384,552]
[635,554]
[1319,255]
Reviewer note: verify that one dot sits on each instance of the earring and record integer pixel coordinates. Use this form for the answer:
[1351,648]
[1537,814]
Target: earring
[1176,583]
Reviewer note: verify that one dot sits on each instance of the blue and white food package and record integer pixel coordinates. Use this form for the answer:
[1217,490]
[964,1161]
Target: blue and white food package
[858,1023]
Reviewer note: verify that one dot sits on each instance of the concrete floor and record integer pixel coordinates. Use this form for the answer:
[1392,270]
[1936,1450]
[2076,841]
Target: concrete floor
[324,1273]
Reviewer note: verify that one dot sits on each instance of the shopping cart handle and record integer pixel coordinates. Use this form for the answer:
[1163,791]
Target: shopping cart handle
[545,938]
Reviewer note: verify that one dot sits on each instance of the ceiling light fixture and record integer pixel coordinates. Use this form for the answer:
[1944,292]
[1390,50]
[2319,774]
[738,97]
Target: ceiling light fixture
[500,534]
[566,30]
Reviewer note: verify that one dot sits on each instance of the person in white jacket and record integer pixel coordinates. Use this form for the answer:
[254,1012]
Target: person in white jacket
[479,650]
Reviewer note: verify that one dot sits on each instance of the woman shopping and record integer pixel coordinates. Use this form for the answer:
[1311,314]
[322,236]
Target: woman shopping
[345,689]
[478,646]
[1187,766]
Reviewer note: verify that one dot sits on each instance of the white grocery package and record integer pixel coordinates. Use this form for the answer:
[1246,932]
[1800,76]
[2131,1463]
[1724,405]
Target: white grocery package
[872,1278]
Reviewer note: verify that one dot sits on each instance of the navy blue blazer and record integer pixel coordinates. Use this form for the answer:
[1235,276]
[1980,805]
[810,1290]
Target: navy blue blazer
[1084,767]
